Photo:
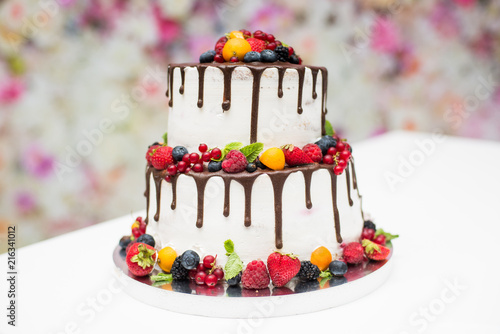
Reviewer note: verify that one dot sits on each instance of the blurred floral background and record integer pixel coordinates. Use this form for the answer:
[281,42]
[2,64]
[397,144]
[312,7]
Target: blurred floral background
[82,85]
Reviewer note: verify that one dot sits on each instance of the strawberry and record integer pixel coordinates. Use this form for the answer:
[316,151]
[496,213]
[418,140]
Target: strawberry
[162,157]
[256,44]
[374,251]
[282,267]
[149,153]
[141,259]
[353,253]
[314,152]
[255,276]
[294,156]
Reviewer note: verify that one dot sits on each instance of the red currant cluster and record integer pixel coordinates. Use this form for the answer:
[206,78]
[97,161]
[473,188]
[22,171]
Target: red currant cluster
[138,227]
[193,161]
[338,155]
[207,273]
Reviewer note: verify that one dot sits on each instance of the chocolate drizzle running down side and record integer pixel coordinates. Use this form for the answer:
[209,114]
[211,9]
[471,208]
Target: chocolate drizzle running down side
[348,180]
[201,84]
[307,181]
[324,80]
[201,183]
[355,186]
[314,72]
[158,176]
[146,192]
[301,72]
[247,184]
[227,72]
[183,74]
[227,192]
[336,215]
[281,75]
[174,178]
[170,85]
[278,181]
[257,74]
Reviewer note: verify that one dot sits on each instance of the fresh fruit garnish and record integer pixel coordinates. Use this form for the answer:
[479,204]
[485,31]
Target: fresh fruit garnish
[172,170]
[181,166]
[268,56]
[216,153]
[369,224]
[328,159]
[147,239]
[209,261]
[325,143]
[199,278]
[380,239]
[236,34]
[321,257]
[234,59]
[368,233]
[211,280]
[260,35]
[246,33]
[256,45]
[353,253]
[178,152]
[313,152]
[207,57]
[308,271]
[282,267]
[138,227]
[166,258]
[219,273]
[273,158]
[190,259]
[124,241]
[294,156]
[251,167]
[185,158]
[219,58]
[198,167]
[251,57]
[141,259]
[234,265]
[255,276]
[332,151]
[235,280]
[234,162]
[236,47]
[374,251]
[194,158]
[384,237]
[149,153]
[337,268]
[206,157]
[178,271]
[162,157]
[214,166]
[202,148]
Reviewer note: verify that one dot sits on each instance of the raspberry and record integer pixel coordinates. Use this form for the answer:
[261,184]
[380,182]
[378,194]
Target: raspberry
[234,162]
[255,276]
[314,152]
[162,157]
[354,253]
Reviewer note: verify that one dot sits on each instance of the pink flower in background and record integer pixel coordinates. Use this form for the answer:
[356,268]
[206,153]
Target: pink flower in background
[168,29]
[444,19]
[11,90]
[465,3]
[271,18]
[37,162]
[25,202]
[385,36]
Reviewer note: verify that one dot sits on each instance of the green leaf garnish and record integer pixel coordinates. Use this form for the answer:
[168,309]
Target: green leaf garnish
[325,277]
[229,147]
[233,266]
[229,246]
[329,129]
[252,151]
[165,138]
[161,279]
[388,236]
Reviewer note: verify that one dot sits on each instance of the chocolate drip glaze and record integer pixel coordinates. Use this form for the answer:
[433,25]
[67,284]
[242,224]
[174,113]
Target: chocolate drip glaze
[355,186]
[314,72]
[257,74]
[201,84]
[336,215]
[301,73]
[228,71]
[278,181]
[307,181]
[181,88]
[173,205]
[170,91]
[247,184]
[247,180]
[348,180]
[281,74]
[146,192]
[227,189]
[324,80]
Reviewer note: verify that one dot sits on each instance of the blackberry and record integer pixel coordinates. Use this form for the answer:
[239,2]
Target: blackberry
[235,280]
[369,224]
[181,286]
[308,271]
[251,167]
[214,166]
[294,59]
[178,152]
[282,52]
[306,286]
[147,239]
[337,268]
[233,291]
[325,143]
[178,271]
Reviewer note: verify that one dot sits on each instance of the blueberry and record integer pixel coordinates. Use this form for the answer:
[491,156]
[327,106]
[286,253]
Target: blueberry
[260,164]
[214,166]
[251,167]
[336,281]
[124,241]
[190,259]
[178,152]
[235,280]
[338,268]
[123,253]
[369,224]
[251,57]
[268,56]
[234,291]
[325,143]
[207,57]
[147,239]
[294,59]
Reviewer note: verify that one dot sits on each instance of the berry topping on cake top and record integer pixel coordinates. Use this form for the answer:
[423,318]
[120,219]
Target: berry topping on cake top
[244,46]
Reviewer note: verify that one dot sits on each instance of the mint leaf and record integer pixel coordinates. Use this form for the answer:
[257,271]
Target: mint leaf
[161,279]
[388,236]
[229,246]
[326,274]
[229,147]
[323,281]
[233,266]
[329,129]
[252,151]
[165,138]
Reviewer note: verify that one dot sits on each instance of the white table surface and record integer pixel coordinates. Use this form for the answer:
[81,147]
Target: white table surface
[445,277]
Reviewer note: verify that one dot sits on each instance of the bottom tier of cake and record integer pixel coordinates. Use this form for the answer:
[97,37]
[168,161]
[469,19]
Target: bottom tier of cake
[294,210]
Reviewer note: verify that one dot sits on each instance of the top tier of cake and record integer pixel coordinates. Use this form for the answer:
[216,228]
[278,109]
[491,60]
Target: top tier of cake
[271,103]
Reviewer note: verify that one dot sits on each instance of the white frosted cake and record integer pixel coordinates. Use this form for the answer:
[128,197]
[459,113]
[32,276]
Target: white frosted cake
[294,209]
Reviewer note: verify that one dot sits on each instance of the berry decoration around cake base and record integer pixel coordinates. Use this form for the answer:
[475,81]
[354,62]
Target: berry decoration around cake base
[224,301]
